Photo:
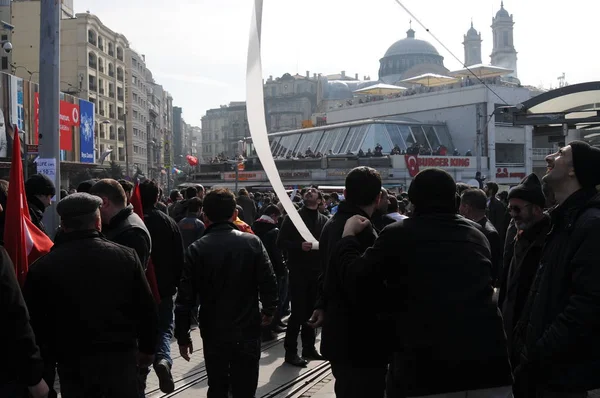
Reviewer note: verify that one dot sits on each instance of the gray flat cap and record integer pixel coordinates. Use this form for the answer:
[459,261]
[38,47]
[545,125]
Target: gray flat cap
[78,204]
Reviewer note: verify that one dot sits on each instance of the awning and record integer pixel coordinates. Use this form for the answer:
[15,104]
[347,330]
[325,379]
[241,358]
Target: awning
[481,71]
[576,106]
[431,80]
[380,89]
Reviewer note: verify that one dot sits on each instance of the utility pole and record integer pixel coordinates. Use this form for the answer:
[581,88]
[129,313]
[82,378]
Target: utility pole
[49,100]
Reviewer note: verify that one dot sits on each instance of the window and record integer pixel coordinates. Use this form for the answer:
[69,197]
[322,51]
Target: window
[4,63]
[505,39]
[120,53]
[332,140]
[4,37]
[111,70]
[510,154]
[111,49]
[92,37]
[377,134]
[92,60]
[309,140]
[420,136]
[432,137]
[120,74]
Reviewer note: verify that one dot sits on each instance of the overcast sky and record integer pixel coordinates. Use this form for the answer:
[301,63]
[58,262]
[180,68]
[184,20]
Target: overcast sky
[197,48]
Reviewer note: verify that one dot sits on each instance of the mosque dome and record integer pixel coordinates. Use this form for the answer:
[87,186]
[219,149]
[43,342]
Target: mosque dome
[502,13]
[410,45]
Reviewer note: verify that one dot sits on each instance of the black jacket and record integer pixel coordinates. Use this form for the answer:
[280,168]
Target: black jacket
[496,213]
[90,295]
[448,331]
[346,337]
[268,232]
[167,251]
[518,273]
[249,214]
[228,270]
[496,246]
[128,229]
[36,213]
[290,240]
[561,320]
[23,363]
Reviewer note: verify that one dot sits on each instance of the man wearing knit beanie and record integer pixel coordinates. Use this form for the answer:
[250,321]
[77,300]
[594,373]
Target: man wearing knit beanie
[526,207]
[437,268]
[558,330]
[39,190]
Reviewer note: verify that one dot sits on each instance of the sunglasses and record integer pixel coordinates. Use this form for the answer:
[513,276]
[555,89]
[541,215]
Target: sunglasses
[517,209]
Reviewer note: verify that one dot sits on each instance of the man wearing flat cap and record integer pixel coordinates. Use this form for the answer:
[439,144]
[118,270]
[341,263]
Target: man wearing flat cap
[91,306]
[558,336]
[39,190]
[526,207]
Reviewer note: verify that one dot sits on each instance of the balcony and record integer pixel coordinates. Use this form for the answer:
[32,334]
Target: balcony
[541,153]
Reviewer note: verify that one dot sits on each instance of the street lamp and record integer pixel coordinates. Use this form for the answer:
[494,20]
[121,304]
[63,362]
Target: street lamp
[125,141]
[236,163]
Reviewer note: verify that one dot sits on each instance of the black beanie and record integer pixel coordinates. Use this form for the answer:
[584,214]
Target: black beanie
[39,184]
[85,186]
[433,191]
[586,163]
[529,190]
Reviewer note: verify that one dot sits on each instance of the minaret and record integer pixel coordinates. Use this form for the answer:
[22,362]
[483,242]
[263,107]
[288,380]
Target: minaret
[472,44]
[504,53]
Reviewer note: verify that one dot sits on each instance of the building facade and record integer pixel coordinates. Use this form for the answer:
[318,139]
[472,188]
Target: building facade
[178,136]
[213,133]
[472,45]
[289,100]
[504,53]
[137,111]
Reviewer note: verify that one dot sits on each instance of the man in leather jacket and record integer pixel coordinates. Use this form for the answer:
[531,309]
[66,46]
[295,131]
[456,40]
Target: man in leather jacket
[39,190]
[229,271]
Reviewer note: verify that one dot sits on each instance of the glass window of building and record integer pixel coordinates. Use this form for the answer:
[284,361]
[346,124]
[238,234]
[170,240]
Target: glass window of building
[354,138]
[308,140]
[510,154]
[377,135]
[420,136]
[396,136]
[432,137]
[332,140]
[444,136]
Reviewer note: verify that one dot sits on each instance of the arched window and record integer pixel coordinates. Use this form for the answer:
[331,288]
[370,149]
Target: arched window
[120,74]
[120,53]
[111,69]
[111,49]
[112,133]
[92,37]
[101,64]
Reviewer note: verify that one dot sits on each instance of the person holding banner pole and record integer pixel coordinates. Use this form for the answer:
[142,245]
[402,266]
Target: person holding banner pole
[304,264]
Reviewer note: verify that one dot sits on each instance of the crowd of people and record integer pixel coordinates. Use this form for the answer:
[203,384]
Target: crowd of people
[446,290]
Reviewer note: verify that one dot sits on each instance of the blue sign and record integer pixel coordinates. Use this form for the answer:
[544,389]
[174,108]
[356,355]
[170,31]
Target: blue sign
[86,131]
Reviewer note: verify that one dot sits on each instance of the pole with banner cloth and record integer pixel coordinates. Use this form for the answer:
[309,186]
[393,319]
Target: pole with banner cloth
[258,127]
[49,130]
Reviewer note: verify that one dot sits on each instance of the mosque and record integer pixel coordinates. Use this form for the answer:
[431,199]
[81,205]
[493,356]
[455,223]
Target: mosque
[412,57]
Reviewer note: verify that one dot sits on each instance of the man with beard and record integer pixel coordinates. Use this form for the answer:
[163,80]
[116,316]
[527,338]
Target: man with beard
[557,336]
[526,206]
[359,369]
[304,265]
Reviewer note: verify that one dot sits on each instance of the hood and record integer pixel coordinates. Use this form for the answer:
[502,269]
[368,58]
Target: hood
[263,226]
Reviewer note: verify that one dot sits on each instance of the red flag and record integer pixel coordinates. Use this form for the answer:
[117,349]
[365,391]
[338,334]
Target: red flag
[136,202]
[412,164]
[192,160]
[23,241]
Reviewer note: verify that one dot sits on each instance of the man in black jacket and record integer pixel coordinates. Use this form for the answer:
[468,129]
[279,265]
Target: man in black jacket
[119,223]
[266,229]
[305,267]
[39,190]
[472,206]
[26,367]
[357,350]
[449,335]
[496,211]
[526,204]
[229,271]
[167,257]
[557,336]
[249,206]
[91,305]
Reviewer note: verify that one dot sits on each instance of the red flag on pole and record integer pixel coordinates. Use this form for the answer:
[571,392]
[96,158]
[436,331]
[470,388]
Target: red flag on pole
[136,202]
[23,241]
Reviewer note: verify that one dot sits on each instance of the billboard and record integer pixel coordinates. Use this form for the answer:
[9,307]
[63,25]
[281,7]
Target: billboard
[86,131]
[68,118]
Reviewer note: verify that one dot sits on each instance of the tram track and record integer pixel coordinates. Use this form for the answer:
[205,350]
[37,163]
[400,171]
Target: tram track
[303,383]
[199,375]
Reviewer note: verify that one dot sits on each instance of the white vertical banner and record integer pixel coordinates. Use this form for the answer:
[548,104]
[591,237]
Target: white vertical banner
[258,126]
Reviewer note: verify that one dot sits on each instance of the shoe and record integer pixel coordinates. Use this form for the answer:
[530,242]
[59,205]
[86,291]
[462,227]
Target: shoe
[295,360]
[312,355]
[165,378]
[279,329]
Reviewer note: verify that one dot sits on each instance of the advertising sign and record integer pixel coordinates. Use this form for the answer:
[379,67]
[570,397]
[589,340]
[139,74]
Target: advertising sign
[69,118]
[86,132]
[414,163]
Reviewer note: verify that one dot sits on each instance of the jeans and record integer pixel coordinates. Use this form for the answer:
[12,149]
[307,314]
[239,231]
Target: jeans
[163,345]
[165,330]
[303,294]
[282,285]
[232,364]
